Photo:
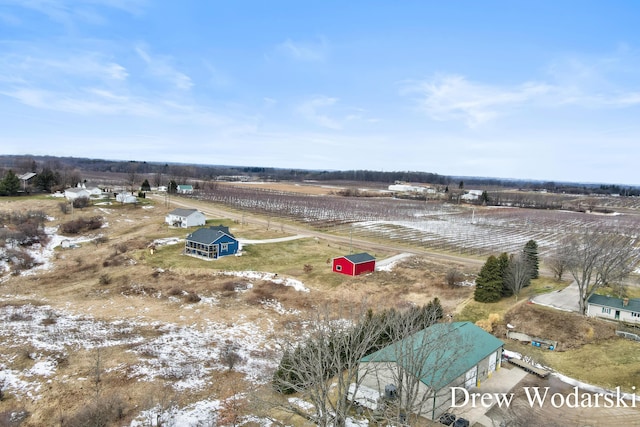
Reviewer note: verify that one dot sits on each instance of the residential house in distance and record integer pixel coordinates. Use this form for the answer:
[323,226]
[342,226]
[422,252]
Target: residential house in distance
[431,362]
[185,218]
[184,189]
[82,190]
[211,243]
[471,195]
[355,264]
[622,309]
[126,197]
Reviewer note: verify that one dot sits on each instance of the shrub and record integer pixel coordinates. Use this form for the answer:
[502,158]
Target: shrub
[104,279]
[65,208]
[308,268]
[192,297]
[81,202]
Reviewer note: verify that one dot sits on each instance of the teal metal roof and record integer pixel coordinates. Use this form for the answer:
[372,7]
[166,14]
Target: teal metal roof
[360,258]
[617,303]
[440,353]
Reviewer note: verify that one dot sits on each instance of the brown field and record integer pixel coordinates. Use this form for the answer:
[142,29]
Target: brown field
[103,314]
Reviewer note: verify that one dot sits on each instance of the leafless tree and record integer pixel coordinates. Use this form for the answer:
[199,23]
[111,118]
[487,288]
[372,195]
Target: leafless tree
[558,265]
[405,363]
[327,363]
[453,277]
[517,274]
[596,259]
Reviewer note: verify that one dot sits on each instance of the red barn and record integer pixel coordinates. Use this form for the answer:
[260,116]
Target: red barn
[355,264]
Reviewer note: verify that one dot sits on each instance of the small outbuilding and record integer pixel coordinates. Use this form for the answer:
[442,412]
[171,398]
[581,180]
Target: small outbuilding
[185,218]
[211,243]
[355,264]
[184,189]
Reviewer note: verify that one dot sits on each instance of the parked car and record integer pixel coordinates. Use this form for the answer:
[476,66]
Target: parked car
[461,422]
[447,419]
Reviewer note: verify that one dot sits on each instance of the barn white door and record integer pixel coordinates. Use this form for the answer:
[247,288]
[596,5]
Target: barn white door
[470,378]
[492,361]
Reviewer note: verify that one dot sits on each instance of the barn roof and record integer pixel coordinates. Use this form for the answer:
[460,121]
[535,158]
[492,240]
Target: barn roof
[209,235]
[633,304]
[359,258]
[440,353]
[183,212]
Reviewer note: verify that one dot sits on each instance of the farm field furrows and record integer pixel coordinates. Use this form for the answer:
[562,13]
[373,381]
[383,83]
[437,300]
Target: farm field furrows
[439,226]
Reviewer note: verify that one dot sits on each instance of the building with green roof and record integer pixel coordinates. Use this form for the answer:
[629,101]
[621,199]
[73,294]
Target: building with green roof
[422,368]
[622,309]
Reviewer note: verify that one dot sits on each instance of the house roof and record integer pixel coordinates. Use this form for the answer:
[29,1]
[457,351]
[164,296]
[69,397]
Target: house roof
[27,176]
[185,187]
[440,353]
[359,258]
[617,303]
[183,212]
[209,235]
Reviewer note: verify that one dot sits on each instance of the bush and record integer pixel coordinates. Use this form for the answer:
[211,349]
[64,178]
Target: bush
[100,414]
[104,279]
[192,297]
[65,208]
[81,202]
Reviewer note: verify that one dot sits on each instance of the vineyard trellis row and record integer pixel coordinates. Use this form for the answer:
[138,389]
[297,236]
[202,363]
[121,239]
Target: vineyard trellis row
[434,225]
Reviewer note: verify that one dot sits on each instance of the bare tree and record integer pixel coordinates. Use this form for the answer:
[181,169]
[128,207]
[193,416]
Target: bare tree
[558,265]
[597,259]
[322,369]
[415,364]
[517,275]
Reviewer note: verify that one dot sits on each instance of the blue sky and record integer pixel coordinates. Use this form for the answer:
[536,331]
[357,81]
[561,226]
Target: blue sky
[545,90]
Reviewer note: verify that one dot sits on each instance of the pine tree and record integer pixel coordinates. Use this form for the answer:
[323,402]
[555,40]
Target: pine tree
[10,184]
[145,186]
[489,281]
[530,253]
[503,266]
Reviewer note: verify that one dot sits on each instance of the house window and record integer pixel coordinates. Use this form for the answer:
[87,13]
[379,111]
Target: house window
[635,314]
[224,246]
[606,310]
[338,268]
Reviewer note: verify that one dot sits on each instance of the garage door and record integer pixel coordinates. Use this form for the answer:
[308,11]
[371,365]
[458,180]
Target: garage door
[492,361]
[470,377]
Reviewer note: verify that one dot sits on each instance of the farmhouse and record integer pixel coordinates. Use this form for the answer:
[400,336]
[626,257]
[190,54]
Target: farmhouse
[623,309]
[430,362]
[355,264]
[184,189]
[211,243]
[185,218]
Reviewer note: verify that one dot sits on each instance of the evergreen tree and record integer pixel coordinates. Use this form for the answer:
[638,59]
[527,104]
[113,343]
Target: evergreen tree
[46,180]
[489,281]
[10,184]
[503,266]
[145,186]
[173,187]
[530,252]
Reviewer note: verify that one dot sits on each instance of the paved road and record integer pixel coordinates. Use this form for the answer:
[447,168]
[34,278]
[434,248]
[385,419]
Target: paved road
[565,299]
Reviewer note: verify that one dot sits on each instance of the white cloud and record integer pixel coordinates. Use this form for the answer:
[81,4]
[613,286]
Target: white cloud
[160,66]
[312,110]
[453,97]
[305,51]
